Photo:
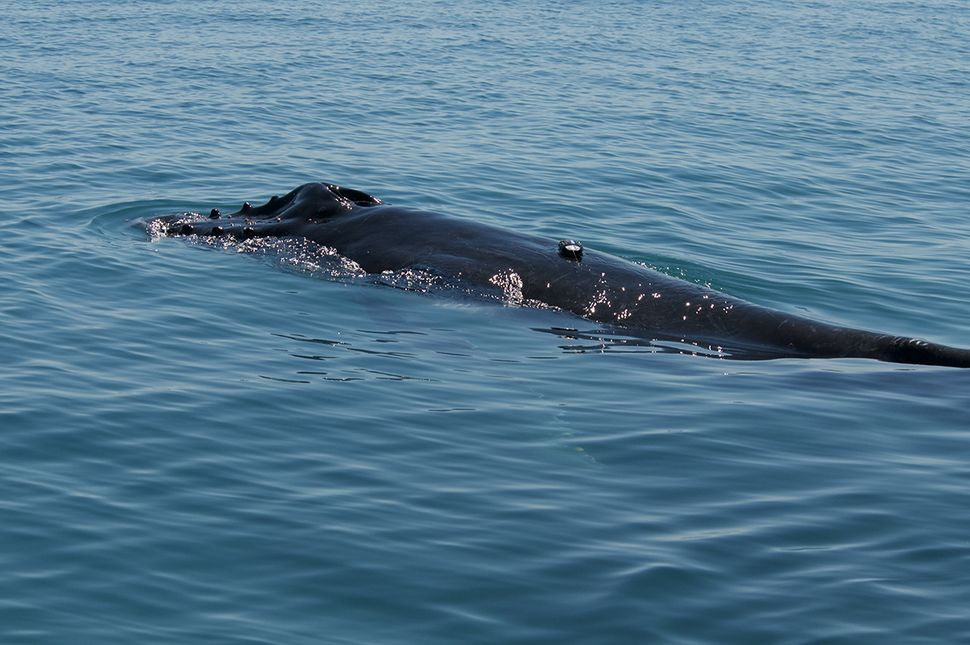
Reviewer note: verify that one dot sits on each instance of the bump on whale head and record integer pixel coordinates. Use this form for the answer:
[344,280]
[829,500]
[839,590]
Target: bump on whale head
[313,201]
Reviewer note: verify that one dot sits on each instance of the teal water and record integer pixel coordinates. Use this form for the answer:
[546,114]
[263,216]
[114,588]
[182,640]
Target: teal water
[204,446]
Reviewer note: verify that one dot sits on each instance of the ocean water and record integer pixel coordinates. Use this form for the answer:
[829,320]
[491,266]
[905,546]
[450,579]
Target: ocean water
[204,446]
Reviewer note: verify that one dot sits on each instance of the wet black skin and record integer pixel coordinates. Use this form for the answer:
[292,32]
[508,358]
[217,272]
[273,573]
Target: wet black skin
[597,286]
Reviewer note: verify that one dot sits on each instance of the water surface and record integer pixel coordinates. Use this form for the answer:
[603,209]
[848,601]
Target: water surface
[203,446]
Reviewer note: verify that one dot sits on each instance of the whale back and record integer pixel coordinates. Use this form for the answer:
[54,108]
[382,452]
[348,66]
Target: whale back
[527,269]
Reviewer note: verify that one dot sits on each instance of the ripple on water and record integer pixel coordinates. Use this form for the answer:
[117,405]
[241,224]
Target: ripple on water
[197,446]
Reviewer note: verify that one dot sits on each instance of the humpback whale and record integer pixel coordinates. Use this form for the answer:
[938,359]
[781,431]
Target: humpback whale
[596,286]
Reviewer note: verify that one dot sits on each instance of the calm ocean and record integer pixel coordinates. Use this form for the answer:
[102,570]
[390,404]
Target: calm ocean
[204,446]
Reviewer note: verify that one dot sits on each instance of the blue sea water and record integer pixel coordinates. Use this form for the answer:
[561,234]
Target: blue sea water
[205,446]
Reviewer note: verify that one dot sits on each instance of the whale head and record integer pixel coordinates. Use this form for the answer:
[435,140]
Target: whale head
[307,204]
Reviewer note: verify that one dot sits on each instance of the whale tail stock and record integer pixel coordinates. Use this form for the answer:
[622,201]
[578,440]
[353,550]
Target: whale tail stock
[900,349]
[781,335]
[829,341]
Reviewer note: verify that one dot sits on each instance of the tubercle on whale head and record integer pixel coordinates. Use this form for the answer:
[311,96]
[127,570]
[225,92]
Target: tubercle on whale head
[241,231]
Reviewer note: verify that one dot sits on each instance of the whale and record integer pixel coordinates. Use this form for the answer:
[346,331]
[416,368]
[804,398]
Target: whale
[559,274]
